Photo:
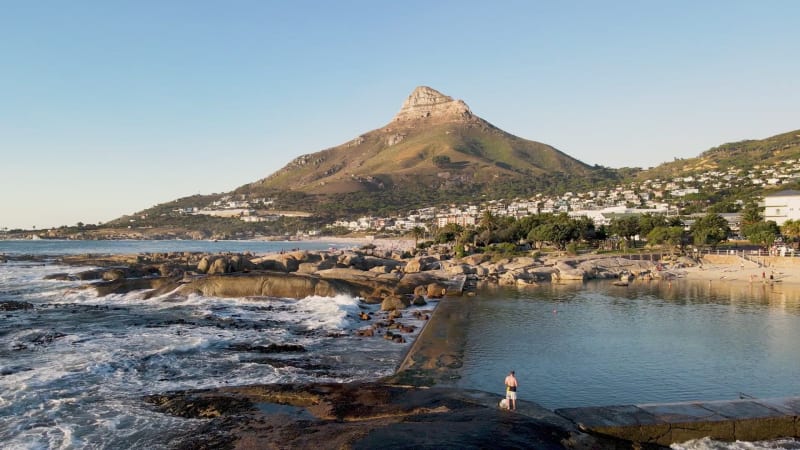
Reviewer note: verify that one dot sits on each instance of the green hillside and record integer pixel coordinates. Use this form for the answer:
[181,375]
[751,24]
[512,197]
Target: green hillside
[742,155]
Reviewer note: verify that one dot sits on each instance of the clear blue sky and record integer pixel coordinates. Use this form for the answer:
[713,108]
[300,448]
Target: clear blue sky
[107,108]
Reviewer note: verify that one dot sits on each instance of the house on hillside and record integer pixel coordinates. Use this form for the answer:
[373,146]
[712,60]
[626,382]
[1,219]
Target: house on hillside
[782,206]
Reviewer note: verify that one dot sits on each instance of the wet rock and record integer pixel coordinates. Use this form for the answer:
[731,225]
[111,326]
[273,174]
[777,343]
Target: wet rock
[271,348]
[394,302]
[12,305]
[304,364]
[123,286]
[86,275]
[358,416]
[418,300]
[113,275]
[199,406]
[61,276]
[436,290]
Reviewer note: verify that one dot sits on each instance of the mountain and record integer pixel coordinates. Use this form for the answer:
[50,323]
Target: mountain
[433,150]
[436,151]
[743,155]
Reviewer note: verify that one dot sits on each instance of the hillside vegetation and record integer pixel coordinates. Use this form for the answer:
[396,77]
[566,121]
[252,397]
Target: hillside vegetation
[436,152]
[742,155]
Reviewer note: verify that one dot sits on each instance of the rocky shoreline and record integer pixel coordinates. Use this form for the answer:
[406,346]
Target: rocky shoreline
[411,409]
[370,273]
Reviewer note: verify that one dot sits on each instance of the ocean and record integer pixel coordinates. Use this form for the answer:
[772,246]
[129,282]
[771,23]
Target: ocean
[74,368]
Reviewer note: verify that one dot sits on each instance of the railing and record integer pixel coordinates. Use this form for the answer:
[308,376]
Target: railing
[751,255]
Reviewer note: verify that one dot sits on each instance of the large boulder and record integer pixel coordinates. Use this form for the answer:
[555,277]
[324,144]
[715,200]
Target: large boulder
[354,260]
[458,269]
[166,270]
[516,278]
[518,263]
[421,264]
[394,302]
[481,271]
[567,272]
[219,266]
[436,290]
[113,275]
[381,269]
[409,282]
[372,262]
[541,273]
[476,259]
[308,267]
[204,264]
[263,284]
[272,265]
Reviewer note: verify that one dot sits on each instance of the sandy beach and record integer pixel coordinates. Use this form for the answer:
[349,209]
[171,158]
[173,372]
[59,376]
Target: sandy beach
[749,272]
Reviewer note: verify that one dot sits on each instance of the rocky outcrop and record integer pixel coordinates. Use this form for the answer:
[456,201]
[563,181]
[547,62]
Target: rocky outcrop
[11,305]
[369,273]
[565,271]
[421,264]
[394,303]
[425,103]
[272,284]
[367,415]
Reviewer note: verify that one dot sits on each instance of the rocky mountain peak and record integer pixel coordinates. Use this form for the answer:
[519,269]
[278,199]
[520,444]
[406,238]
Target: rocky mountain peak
[426,103]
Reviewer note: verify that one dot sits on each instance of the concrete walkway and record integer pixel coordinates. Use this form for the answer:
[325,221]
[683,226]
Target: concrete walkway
[667,423]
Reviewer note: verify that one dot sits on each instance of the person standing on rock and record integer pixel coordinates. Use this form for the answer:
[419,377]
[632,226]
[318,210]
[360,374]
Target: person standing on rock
[511,391]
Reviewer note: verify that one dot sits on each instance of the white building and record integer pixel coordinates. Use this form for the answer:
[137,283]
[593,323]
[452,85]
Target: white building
[782,206]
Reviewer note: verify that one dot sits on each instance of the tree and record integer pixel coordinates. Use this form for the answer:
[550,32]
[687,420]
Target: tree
[466,236]
[441,160]
[559,232]
[672,237]
[791,229]
[448,233]
[585,228]
[417,232]
[488,221]
[538,235]
[763,233]
[751,214]
[710,229]
[648,221]
[625,227]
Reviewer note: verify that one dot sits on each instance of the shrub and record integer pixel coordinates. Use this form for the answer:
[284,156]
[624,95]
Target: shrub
[572,248]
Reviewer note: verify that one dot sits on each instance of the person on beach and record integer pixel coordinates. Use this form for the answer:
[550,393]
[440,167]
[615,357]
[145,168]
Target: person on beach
[511,390]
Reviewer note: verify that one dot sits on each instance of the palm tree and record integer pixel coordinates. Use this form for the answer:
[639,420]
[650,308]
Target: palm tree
[417,232]
[488,221]
[791,229]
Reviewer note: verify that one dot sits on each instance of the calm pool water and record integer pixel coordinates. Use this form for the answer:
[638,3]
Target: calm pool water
[597,344]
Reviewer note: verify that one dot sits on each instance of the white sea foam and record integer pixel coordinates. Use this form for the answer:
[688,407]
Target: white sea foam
[707,443]
[75,367]
[328,313]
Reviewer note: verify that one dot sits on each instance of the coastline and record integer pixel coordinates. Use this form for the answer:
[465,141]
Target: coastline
[413,400]
[748,273]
